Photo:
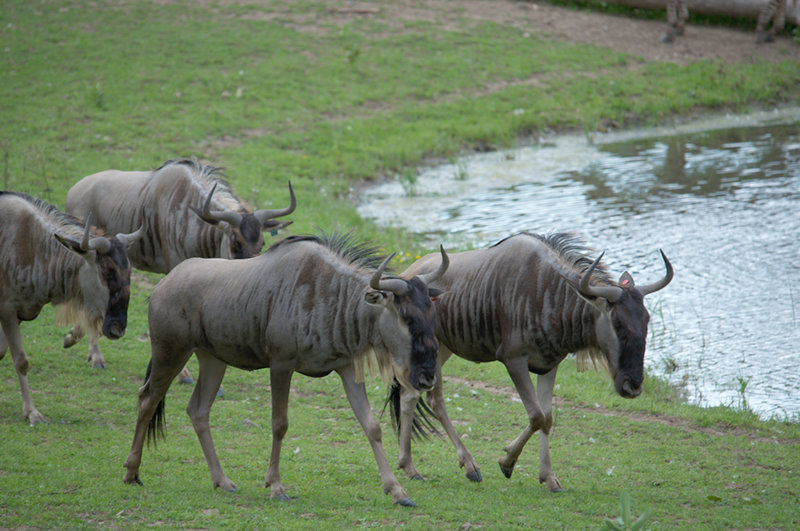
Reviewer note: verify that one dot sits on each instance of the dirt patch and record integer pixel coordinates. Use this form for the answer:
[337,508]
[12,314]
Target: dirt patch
[618,33]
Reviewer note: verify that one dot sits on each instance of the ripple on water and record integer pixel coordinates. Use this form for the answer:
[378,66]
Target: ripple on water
[723,204]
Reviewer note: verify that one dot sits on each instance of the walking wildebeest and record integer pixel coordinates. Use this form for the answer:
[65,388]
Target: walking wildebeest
[774,10]
[310,305]
[174,227]
[49,256]
[528,302]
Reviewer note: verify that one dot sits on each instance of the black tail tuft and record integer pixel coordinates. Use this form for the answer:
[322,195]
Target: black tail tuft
[421,427]
[157,427]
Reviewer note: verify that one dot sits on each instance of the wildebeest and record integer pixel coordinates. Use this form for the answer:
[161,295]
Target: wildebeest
[175,228]
[310,305]
[528,302]
[773,10]
[47,256]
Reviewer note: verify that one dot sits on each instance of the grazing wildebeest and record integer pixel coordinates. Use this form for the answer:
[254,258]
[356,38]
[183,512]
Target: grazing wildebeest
[774,10]
[174,227]
[310,305]
[47,256]
[528,302]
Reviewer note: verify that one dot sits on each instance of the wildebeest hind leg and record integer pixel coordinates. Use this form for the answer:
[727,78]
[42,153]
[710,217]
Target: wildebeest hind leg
[209,379]
[357,395]
[165,366]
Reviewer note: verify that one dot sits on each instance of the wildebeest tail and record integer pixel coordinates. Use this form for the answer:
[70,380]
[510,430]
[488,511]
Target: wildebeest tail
[158,423]
[421,427]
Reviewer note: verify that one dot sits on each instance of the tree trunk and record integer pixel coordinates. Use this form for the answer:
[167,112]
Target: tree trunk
[731,8]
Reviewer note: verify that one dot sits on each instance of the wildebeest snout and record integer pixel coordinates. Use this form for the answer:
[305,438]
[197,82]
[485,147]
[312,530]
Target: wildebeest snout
[426,381]
[627,388]
[113,329]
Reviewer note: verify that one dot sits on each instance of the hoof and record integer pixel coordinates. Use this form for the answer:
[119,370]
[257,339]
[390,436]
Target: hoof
[134,481]
[99,366]
[406,502]
[187,381]
[506,471]
[764,36]
[282,497]
[476,476]
[417,477]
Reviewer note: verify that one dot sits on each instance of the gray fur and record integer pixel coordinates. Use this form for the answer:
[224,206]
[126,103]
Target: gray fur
[46,256]
[307,305]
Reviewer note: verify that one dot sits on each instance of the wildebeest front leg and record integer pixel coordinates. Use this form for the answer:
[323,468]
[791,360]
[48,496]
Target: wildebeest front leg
[357,395]
[209,379]
[10,337]
[436,401]
[517,368]
[545,384]
[408,403]
[95,357]
[280,382]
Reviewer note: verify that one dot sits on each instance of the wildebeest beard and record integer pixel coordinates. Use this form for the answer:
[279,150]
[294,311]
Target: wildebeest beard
[116,272]
[630,319]
[419,314]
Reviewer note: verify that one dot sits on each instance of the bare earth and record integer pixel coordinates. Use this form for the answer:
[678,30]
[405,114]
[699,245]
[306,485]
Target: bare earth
[637,37]
[624,34]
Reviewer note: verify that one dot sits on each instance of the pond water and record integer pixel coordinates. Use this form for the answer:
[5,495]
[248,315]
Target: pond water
[721,198]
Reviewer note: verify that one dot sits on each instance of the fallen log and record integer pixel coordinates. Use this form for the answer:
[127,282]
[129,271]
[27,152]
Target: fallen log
[730,8]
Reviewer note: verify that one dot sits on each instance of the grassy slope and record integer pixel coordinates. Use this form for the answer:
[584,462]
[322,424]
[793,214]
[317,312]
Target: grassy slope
[280,91]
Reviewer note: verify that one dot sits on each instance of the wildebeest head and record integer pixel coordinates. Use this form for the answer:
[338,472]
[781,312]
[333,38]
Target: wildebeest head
[244,230]
[622,328]
[107,280]
[408,326]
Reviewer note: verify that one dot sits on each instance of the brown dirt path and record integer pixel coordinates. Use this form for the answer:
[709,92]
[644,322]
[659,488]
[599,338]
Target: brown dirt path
[624,34]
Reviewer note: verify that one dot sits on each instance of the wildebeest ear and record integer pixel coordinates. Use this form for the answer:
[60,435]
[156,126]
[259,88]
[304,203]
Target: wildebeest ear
[434,293]
[72,245]
[375,297]
[626,280]
[274,225]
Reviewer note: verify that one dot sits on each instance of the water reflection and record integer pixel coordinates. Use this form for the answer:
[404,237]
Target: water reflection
[722,203]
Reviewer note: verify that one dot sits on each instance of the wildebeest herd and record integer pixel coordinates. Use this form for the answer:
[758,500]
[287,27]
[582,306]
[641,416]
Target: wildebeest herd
[308,304]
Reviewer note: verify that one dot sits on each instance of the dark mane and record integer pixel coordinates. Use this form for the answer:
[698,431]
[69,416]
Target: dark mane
[359,253]
[210,174]
[60,219]
[572,249]
[207,171]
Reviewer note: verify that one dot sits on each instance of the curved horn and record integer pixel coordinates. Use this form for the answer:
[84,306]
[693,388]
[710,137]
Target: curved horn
[131,238]
[228,216]
[655,286]
[101,245]
[395,285]
[610,293]
[436,275]
[264,215]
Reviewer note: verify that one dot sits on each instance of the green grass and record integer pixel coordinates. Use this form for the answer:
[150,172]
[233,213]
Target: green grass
[278,91]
